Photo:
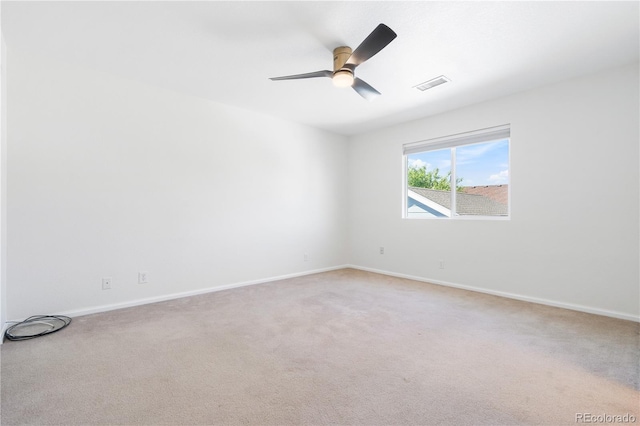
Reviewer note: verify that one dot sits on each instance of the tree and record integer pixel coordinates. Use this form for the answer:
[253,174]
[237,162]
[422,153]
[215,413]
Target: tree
[421,178]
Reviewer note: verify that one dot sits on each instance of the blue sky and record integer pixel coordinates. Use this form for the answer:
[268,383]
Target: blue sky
[478,164]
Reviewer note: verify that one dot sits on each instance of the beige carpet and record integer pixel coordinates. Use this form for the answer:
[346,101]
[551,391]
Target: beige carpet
[344,347]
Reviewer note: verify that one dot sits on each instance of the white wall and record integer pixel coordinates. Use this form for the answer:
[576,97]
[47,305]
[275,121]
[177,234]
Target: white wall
[3,185]
[107,177]
[573,236]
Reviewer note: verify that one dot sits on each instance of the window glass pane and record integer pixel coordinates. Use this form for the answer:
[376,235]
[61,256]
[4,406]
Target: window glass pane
[429,184]
[482,172]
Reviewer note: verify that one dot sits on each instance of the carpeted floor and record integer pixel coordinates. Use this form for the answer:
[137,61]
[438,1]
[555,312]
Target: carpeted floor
[343,347]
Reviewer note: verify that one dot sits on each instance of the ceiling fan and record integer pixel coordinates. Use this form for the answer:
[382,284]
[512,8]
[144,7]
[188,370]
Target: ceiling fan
[345,62]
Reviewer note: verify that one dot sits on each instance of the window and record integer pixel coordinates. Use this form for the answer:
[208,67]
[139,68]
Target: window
[459,176]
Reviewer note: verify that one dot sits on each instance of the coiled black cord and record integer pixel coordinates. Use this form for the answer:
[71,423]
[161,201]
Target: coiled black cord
[55,323]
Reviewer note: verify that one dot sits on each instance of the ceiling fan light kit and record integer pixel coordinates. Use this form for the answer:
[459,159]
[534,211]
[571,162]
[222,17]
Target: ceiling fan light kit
[342,78]
[345,62]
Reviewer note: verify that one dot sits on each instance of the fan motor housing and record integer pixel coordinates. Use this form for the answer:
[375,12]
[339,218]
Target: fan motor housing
[340,56]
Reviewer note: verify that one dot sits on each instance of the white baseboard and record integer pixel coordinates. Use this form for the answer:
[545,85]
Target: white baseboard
[138,302]
[571,306]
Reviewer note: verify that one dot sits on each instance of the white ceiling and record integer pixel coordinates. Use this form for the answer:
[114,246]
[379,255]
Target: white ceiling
[225,51]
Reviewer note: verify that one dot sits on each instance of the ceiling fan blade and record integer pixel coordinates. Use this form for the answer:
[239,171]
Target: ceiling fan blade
[375,42]
[324,73]
[364,90]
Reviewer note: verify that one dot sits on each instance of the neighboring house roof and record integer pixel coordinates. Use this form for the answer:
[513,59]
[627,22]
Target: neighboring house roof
[499,193]
[467,204]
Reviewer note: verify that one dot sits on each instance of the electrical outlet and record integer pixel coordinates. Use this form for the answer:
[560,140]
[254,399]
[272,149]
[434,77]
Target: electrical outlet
[106,283]
[306,257]
[143,277]
[381,250]
[441,264]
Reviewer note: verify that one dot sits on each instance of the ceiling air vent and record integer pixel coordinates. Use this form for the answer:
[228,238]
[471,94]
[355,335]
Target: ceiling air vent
[432,83]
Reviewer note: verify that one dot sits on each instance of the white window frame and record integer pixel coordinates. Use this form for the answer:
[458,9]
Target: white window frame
[490,134]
